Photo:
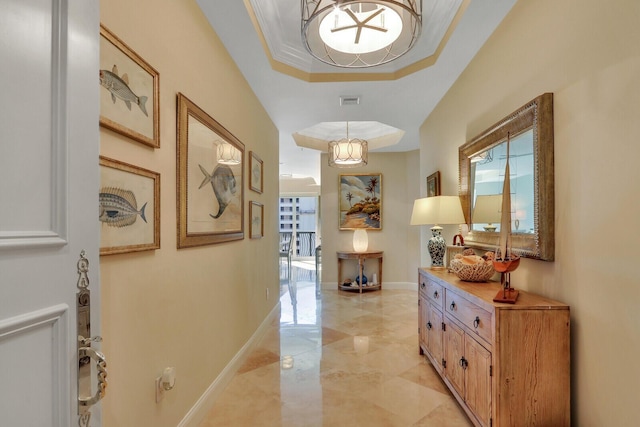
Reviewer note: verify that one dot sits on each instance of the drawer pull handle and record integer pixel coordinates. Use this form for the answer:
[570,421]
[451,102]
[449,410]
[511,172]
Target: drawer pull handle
[452,306]
[429,325]
[435,295]
[423,285]
[463,363]
[476,322]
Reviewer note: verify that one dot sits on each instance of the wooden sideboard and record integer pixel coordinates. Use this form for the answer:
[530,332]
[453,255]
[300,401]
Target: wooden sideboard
[506,364]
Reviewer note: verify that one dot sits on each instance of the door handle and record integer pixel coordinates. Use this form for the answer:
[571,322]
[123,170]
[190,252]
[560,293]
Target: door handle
[101,365]
[87,355]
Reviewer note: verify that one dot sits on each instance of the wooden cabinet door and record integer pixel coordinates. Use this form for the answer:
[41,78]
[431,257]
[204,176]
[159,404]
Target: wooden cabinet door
[434,332]
[453,354]
[422,322]
[478,379]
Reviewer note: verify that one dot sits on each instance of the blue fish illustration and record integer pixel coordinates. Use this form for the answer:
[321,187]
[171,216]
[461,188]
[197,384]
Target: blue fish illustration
[118,207]
[119,87]
[223,183]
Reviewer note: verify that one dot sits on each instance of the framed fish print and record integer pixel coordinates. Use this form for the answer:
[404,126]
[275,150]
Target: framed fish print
[255,172]
[210,179]
[256,224]
[129,91]
[360,201]
[129,208]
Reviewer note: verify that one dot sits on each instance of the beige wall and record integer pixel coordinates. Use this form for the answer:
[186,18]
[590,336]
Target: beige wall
[398,241]
[195,308]
[586,53]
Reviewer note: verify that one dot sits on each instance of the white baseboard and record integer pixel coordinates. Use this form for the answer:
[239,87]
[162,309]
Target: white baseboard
[198,412]
[408,286]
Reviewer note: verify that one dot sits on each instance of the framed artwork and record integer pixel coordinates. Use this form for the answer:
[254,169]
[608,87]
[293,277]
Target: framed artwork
[129,94]
[210,186]
[256,214]
[255,172]
[360,201]
[433,184]
[129,211]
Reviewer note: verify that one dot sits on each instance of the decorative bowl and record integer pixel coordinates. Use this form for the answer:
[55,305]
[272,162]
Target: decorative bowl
[481,271]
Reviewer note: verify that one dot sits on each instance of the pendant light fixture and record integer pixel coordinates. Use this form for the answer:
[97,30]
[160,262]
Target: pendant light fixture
[348,152]
[360,33]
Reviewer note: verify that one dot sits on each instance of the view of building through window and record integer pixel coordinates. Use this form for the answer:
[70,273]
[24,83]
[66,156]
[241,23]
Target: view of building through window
[298,215]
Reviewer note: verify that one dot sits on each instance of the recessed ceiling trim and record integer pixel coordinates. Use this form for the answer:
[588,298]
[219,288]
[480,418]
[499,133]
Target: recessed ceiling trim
[349,75]
[360,33]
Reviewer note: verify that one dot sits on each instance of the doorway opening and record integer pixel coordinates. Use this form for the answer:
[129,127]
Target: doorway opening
[300,250]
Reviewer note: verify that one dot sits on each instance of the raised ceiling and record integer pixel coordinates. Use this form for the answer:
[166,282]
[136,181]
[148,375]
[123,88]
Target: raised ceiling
[298,92]
[278,24]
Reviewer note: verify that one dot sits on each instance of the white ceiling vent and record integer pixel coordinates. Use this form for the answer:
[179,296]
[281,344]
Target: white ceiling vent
[349,100]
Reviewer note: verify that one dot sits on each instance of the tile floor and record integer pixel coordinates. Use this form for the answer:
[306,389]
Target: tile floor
[338,359]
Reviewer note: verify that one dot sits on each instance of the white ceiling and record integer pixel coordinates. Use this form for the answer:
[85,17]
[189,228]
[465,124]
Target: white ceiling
[295,104]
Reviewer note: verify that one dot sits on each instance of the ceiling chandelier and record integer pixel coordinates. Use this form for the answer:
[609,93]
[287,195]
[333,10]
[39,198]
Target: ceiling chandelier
[348,152]
[360,33]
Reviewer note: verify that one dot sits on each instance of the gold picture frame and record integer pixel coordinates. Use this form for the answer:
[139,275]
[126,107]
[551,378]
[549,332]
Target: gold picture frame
[433,184]
[129,208]
[130,91]
[256,174]
[360,203]
[210,186]
[256,220]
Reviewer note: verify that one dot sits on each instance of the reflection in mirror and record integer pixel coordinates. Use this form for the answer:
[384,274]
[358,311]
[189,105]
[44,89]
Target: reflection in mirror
[487,178]
[529,131]
[487,210]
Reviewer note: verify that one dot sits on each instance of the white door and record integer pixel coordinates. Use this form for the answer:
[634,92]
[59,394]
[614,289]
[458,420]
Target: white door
[49,181]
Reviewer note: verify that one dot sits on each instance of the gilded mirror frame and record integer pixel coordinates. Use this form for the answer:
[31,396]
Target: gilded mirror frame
[537,115]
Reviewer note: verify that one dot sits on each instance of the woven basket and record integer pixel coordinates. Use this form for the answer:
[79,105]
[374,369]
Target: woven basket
[480,272]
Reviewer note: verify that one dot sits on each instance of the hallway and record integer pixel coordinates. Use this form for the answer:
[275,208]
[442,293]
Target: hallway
[338,359]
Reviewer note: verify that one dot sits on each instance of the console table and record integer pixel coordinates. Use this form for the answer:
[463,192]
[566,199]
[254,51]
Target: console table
[361,257]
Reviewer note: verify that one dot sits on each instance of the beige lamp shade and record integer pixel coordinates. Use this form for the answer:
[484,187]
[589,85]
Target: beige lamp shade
[437,210]
[487,209]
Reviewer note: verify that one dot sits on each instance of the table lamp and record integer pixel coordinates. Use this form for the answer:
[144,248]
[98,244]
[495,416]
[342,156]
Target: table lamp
[360,240]
[437,210]
[487,210]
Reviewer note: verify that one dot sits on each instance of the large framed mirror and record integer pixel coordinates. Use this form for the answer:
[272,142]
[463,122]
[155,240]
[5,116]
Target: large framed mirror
[529,132]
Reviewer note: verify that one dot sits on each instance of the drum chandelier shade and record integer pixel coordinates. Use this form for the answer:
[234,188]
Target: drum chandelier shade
[360,33]
[348,152]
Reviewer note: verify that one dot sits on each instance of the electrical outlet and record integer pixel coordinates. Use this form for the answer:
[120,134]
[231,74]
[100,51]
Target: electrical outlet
[159,389]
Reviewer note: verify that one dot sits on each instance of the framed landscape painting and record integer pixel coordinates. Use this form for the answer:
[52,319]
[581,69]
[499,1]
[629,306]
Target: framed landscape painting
[129,208]
[210,179]
[360,201]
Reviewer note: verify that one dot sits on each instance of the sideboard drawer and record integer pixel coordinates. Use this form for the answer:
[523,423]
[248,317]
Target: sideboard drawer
[469,314]
[433,291]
